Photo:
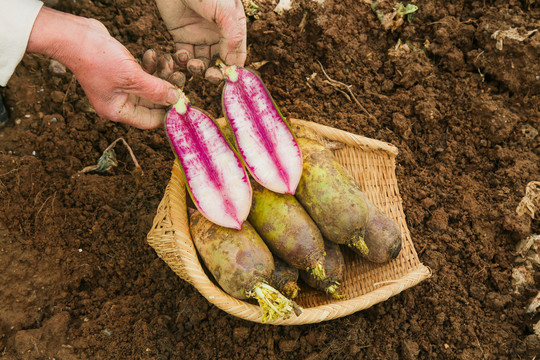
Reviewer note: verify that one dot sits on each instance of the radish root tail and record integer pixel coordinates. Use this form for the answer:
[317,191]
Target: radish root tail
[273,304]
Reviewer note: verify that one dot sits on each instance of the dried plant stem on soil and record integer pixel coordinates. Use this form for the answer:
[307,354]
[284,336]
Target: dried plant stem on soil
[108,159]
[531,201]
[344,89]
[71,82]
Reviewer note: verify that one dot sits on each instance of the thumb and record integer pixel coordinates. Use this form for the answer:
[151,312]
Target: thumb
[232,24]
[154,89]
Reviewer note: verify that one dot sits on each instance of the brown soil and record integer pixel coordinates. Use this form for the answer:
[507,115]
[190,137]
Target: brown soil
[78,280]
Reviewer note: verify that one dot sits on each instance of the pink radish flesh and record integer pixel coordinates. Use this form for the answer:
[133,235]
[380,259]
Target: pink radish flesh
[216,179]
[264,139]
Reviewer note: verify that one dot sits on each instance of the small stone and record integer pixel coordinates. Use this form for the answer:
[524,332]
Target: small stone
[57,68]
[57,96]
[529,131]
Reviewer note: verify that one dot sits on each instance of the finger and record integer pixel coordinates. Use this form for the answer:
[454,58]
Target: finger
[233,27]
[140,116]
[214,51]
[165,66]
[177,78]
[202,53]
[137,100]
[149,61]
[184,53]
[231,21]
[213,75]
[197,66]
[152,88]
[233,50]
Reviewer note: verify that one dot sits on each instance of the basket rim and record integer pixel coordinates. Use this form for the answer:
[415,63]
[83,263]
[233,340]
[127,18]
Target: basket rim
[193,272]
[350,139]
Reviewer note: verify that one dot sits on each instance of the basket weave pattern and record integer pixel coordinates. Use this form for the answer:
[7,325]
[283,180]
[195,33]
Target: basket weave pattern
[372,165]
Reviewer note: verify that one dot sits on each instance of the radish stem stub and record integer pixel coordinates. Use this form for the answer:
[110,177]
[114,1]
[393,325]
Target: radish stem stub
[215,177]
[263,137]
[273,304]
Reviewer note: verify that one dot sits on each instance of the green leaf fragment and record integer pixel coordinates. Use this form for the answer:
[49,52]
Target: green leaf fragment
[105,163]
[410,10]
[393,20]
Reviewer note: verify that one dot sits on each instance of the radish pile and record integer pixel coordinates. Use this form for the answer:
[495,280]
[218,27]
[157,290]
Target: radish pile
[257,238]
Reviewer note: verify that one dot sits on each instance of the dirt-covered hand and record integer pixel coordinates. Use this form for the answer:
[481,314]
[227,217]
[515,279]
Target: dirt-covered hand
[111,78]
[203,29]
[162,67]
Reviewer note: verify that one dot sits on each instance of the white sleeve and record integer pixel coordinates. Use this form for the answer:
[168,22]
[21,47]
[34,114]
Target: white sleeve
[16,21]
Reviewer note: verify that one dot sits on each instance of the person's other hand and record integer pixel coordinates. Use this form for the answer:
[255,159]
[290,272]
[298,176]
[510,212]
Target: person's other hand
[111,78]
[164,69]
[203,29]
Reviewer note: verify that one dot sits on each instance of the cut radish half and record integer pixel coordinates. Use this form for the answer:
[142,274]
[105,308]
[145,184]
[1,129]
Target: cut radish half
[263,137]
[215,177]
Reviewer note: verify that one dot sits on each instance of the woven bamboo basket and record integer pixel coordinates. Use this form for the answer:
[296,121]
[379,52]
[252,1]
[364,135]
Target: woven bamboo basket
[372,164]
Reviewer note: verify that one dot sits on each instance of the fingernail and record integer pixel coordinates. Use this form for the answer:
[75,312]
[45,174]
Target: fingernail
[172,96]
[195,70]
[196,67]
[178,79]
[213,75]
[182,57]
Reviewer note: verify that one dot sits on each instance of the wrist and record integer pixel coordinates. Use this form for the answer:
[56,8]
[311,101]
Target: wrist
[57,35]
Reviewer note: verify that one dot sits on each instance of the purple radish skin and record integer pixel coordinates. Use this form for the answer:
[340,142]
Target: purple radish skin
[263,138]
[215,177]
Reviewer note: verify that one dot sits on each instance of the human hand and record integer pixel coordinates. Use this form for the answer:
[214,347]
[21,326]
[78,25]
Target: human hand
[112,79]
[163,69]
[203,29]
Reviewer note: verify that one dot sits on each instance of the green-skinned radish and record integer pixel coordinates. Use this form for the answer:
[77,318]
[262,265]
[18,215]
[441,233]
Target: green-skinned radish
[332,198]
[215,177]
[241,263]
[288,230]
[383,236]
[341,210]
[263,137]
[334,267]
[286,278]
